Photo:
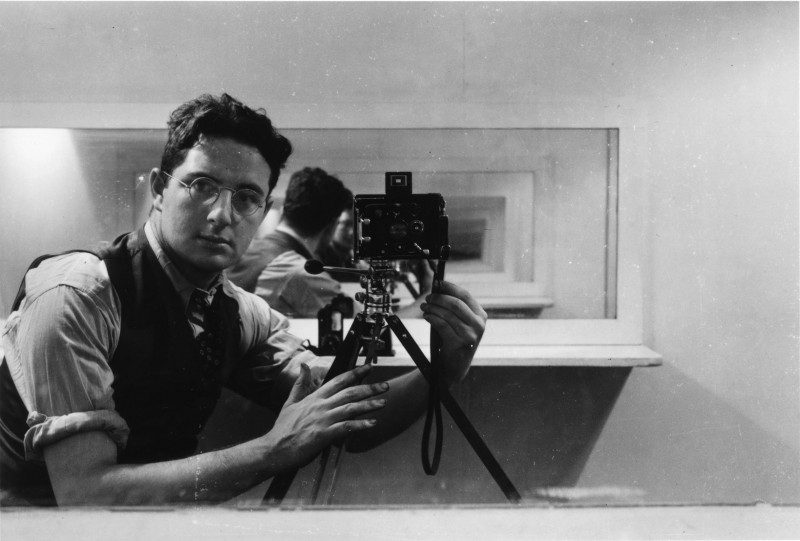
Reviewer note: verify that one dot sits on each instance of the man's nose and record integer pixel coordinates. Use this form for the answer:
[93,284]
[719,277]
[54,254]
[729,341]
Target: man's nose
[221,211]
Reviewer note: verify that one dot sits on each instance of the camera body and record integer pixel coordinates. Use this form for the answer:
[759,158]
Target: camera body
[400,224]
[330,330]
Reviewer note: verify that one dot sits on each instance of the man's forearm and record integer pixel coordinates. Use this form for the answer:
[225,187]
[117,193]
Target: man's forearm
[406,400]
[83,468]
[83,471]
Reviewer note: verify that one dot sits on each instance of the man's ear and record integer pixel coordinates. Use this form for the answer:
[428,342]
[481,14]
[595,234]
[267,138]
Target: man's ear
[157,187]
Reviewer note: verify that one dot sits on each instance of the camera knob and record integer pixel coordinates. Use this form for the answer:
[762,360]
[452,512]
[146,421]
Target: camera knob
[366,221]
[366,239]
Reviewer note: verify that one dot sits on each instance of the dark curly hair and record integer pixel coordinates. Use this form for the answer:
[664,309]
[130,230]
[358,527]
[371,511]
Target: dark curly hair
[224,116]
[313,199]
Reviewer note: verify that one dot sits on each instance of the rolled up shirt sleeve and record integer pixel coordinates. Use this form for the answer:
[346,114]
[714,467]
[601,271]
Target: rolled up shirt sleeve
[58,346]
[46,430]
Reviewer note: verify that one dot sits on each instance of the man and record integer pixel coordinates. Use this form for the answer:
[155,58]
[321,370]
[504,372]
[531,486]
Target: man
[274,267]
[339,251]
[113,362]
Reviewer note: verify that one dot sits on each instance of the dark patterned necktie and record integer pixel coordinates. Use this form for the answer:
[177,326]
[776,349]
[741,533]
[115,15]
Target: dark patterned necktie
[207,316]
[204,373]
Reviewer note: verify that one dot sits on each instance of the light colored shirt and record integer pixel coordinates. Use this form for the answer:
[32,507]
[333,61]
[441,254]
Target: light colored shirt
[273,268]
[60,341]
[285,285]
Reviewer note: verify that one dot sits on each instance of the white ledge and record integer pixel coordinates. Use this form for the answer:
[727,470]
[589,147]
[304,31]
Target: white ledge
[513,356]
[509,355]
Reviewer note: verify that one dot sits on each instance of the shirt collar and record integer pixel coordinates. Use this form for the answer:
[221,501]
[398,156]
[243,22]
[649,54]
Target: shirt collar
[286,230]
[183,286]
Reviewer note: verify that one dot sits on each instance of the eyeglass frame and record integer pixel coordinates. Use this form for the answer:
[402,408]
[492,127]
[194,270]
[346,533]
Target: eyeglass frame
[267,201]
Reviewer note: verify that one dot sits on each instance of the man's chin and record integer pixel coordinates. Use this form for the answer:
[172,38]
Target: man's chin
[213,262]
[217,263]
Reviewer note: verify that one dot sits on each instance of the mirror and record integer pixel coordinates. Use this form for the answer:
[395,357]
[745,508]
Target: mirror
[532,212]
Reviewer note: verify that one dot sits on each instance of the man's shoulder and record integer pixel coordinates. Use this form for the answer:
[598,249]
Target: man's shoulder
[277,250]
[288,261]
[271,244]
[84,271]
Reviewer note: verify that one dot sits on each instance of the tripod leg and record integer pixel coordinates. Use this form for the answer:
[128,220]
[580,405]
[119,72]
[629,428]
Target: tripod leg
[361,329]
[455,411]
[345,360]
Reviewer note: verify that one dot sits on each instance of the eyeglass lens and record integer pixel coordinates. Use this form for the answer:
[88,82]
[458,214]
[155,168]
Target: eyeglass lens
[206,191]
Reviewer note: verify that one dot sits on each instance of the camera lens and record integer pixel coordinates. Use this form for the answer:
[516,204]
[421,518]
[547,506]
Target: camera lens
[417,227]
[398,230]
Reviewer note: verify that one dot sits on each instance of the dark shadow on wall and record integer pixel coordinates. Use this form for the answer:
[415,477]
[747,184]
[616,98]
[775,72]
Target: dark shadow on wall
[541,424]
[677,441]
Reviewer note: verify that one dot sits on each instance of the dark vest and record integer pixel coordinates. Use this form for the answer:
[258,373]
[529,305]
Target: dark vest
[163,387]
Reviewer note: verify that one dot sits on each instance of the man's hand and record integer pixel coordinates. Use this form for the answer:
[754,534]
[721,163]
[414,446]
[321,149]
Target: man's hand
[422,271]
[460,321]
[314,416]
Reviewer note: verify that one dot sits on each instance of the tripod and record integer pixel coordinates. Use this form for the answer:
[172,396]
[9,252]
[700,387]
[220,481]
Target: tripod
[364,335]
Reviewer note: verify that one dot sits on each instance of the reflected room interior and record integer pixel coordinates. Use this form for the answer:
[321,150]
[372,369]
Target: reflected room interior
[532,213]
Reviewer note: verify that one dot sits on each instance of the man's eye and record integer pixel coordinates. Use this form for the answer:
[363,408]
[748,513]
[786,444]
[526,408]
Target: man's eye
[249,197]
[204,186]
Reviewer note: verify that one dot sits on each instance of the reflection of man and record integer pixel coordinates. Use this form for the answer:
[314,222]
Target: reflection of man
[339,251]
[274,267]
[114,363]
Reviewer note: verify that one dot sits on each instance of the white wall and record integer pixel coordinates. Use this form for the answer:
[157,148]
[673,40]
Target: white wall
[720,419]
[705,96]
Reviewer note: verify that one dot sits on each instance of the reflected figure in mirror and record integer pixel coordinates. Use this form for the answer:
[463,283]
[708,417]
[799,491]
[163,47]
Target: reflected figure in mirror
[273,267]
[339,251]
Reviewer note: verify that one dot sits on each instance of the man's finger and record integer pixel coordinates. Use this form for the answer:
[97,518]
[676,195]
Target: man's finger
[449,288]
[345,428]
[454,310]
[452,333]
[354,410]
[357,393]
[342,381]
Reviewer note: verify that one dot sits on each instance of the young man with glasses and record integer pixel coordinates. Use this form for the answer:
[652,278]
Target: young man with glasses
[114,361]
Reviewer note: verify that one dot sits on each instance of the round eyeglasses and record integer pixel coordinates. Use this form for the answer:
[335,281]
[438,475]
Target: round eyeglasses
[205,191]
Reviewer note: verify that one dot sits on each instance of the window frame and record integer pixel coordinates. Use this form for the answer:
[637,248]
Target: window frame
[628,117]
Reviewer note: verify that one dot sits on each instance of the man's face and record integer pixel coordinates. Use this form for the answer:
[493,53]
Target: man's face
[343,234]
[201,239]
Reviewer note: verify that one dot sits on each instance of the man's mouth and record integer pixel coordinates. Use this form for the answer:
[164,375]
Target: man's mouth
[214,239]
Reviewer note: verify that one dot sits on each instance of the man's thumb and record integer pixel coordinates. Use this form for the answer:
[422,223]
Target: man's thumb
[303,385]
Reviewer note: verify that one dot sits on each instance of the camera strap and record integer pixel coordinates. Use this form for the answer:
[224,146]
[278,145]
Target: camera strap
[434,414]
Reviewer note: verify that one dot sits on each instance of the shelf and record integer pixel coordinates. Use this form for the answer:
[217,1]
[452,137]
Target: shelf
[494,355]
[576,356]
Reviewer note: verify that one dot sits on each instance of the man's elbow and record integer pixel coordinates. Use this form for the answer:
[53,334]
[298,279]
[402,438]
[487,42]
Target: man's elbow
[81,471]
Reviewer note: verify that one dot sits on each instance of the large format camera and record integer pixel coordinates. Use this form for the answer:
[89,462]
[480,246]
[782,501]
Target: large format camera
[388,228]
[400,225]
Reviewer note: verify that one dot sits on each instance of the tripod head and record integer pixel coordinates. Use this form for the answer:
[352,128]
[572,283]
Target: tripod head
[377,281]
